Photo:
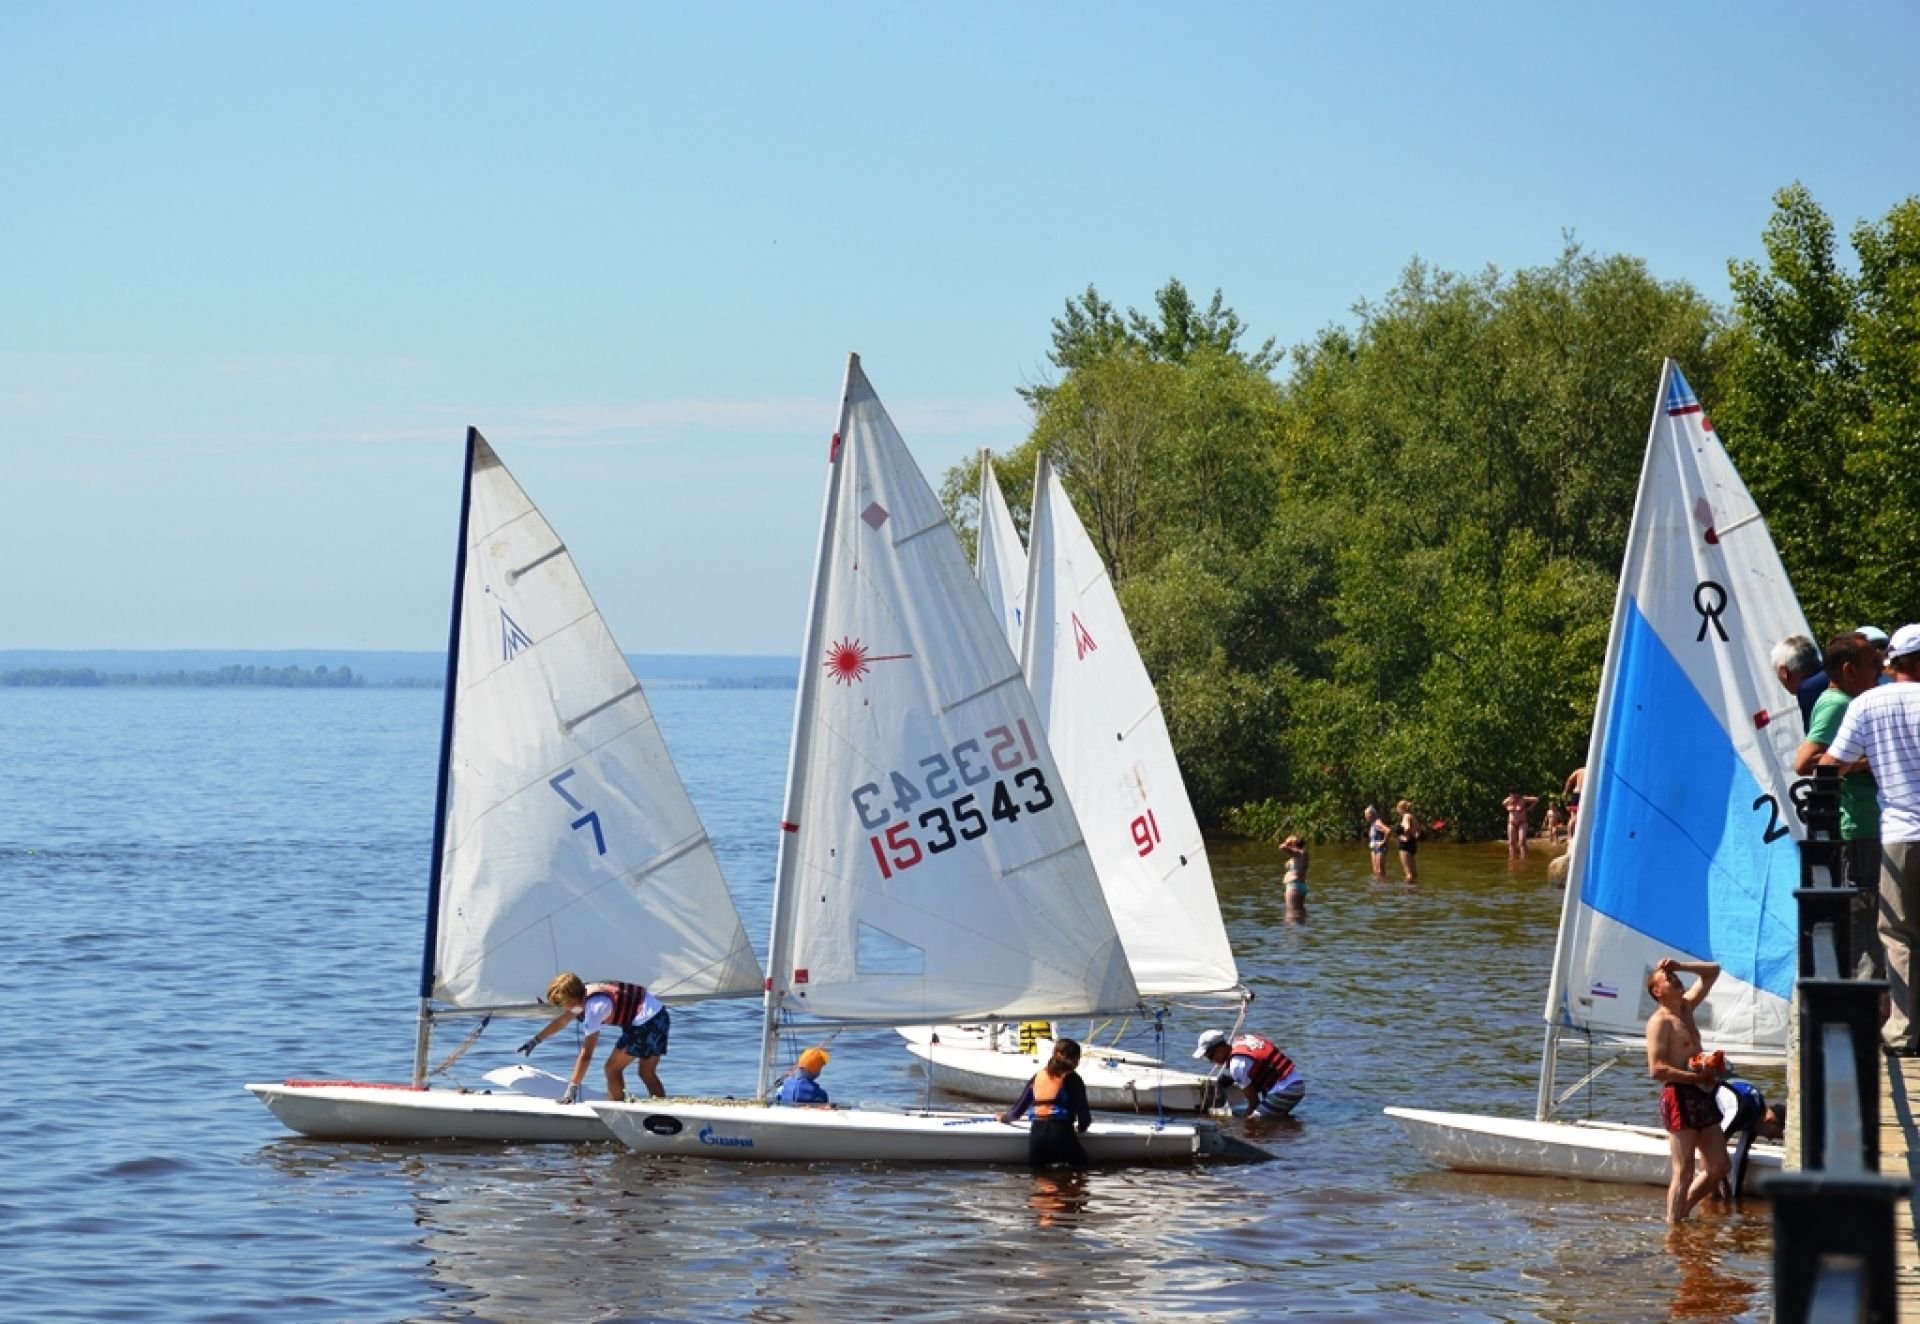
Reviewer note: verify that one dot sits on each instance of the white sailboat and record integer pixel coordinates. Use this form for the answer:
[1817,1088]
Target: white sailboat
[931,868]
[999,561]
[563,838]
[1685,843]
[1104,723]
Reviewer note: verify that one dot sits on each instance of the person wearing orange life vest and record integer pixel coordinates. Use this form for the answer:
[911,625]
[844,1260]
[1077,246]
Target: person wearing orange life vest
[643,1023]
[1256,1067]
[1058,1098]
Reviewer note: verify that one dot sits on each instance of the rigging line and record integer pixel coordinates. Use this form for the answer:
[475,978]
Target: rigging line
[464,1045]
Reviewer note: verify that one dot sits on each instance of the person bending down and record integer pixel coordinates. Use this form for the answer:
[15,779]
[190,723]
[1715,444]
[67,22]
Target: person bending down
[642,1021]
[1745,1113]
[1267,1077]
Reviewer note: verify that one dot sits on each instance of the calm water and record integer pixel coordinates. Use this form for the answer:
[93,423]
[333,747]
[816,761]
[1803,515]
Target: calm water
[203,888]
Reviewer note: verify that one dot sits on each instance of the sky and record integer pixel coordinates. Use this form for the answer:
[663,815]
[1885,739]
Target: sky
[261,265]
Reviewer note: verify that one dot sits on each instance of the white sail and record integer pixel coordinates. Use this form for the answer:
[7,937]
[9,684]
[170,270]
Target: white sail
[570,843]
[930,865]
[1104,723]
[1000,562]
[1685,841]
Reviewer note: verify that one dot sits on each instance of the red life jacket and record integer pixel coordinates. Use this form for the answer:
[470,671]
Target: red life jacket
[627,999]
[1270,1065]
[1046,1089]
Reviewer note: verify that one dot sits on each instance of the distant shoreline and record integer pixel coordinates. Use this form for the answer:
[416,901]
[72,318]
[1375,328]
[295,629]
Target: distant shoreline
[338,669]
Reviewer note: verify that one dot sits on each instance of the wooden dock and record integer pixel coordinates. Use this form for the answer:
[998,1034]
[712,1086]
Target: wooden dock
[1900,1156]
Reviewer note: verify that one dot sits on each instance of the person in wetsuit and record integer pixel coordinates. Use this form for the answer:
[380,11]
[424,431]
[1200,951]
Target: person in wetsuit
[1745,1113]
[1058,1099]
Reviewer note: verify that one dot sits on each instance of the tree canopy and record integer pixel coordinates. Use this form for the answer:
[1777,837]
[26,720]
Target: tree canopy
[1383,565]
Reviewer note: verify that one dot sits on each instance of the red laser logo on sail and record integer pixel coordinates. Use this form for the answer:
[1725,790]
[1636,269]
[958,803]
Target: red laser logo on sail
[847,661]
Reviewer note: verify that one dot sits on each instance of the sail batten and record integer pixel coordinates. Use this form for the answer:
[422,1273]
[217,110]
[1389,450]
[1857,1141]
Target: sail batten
[1685,844]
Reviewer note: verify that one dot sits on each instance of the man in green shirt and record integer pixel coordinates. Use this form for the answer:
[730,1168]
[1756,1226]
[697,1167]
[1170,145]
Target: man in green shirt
[1853,667]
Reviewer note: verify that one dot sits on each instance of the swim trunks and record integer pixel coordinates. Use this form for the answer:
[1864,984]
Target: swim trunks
[1687,1108]
[648,1038]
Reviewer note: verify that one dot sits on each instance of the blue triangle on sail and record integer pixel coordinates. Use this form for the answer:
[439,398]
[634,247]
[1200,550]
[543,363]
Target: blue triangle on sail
[1679,850]
[1680,397]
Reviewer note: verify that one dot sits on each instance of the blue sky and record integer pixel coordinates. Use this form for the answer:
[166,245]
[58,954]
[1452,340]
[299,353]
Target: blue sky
[260,265]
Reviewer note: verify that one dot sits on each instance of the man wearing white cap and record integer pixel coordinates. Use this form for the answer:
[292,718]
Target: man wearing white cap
[1273,1086]
[1881,730]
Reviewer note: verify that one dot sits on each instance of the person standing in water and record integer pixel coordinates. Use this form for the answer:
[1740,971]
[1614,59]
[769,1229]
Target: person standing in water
[1518,806]
[1687,1108]
[1058,1099]
[1410,833]
[1296,875]
[1377,834]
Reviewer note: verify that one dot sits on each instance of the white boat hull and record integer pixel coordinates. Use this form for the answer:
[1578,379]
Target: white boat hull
[1589,1151]
[751,1132]
[965,1062]
[341,1111]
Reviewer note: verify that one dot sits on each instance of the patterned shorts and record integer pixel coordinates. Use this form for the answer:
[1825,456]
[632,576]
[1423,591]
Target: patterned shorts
[1687,1108]
[647,1039]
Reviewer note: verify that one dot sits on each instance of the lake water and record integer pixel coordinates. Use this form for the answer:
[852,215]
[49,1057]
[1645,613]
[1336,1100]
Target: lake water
[206,887]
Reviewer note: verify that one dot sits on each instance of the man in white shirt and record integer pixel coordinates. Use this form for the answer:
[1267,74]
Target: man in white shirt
[1882,727]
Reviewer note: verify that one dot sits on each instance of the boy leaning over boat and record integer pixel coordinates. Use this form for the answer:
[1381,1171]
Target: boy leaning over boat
[1687,1108]
[639,1016]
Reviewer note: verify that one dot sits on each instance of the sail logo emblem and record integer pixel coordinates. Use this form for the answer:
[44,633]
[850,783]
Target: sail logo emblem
[847,661]
[1600,990]
[1082,639]
[512,637]
[875,515]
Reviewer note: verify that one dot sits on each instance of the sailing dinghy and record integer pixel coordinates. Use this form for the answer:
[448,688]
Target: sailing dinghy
[1104,723]
[563,839]
[1685,844]
[931,868]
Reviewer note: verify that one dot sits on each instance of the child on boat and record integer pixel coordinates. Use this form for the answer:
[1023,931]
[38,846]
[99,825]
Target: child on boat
[803,1087]
[641,1019]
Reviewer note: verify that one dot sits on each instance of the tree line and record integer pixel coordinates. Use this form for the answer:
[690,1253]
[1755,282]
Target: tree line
[1382,564]
[274,677]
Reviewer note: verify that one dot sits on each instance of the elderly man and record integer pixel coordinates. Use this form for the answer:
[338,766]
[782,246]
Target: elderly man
[1882,727]
[1797,664]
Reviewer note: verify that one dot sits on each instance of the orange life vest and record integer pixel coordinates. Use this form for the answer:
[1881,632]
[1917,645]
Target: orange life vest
[1046,1089]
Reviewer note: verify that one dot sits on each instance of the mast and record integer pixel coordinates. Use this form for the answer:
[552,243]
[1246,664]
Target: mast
[786,869]
[1596,749]
[980,538]
[425,1032]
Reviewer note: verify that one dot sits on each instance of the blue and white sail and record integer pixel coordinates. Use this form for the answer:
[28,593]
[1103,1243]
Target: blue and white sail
[1685,841]
[999,561]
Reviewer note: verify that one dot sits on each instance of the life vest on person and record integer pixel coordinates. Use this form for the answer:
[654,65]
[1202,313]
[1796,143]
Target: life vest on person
[627,1001]
[1046,1093]
[1269,1066]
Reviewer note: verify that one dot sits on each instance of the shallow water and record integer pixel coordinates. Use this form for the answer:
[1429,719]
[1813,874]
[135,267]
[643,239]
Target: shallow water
[204,888]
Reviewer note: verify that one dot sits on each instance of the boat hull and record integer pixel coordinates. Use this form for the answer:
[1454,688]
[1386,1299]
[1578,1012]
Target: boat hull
[399,1112]
[750,1132]
[965,1062]
[1597,1151]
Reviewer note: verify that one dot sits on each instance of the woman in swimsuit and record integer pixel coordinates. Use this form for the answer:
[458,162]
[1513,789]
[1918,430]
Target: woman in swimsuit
[1410,834]
[1377,834]
[1296,876]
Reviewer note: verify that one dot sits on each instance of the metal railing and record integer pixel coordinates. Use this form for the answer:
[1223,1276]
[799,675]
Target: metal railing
[1833,1218]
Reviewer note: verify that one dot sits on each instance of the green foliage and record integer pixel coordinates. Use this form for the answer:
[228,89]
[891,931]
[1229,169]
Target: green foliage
[1390,574]
[273,677]
[1822,410]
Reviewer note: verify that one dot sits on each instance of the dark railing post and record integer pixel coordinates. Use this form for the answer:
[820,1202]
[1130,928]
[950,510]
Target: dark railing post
[1833,1219]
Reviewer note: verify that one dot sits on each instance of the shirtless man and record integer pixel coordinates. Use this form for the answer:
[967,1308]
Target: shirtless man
[1686,1105]
[1571,790]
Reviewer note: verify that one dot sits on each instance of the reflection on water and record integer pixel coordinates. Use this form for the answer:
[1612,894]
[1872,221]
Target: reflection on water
[249,869]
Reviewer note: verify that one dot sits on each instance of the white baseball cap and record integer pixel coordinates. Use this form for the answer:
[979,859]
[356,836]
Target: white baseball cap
[1873,634]
[1210,1040]
[1906,641]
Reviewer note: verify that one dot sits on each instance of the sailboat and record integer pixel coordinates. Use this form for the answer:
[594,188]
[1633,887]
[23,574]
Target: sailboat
[1000,562]
[1104,722]
[1685,845]
[563,839]
[931,868]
